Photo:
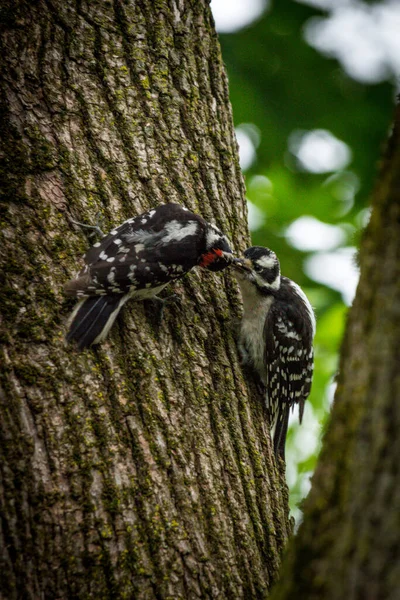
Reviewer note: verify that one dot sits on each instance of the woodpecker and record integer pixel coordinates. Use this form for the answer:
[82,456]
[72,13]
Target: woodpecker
[276,336]
[137,260]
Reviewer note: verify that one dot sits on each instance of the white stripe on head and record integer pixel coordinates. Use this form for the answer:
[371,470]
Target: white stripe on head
[267,261]
[213,236]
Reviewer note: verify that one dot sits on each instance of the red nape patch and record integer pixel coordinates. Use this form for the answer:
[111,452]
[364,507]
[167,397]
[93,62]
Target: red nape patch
[209,258]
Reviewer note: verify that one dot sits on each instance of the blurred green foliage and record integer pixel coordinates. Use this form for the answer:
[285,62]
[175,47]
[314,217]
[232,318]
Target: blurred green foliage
[280,84]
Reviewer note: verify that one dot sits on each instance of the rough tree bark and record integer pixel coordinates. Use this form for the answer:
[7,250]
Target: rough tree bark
[349,543]
[141,469]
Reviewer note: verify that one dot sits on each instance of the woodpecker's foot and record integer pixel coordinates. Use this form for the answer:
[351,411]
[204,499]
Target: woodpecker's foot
[172,299]
[96,229]
[161,303]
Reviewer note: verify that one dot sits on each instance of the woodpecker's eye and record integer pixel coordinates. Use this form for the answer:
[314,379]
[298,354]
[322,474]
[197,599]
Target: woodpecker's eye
[257,268]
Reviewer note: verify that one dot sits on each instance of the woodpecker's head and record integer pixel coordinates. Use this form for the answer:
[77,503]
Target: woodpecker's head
[259,266]
[218,253]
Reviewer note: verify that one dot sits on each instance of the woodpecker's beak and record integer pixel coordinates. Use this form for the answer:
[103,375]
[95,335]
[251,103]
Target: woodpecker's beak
[242,264]
[229,257]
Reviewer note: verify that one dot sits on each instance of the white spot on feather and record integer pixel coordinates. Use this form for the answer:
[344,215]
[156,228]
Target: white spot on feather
[111,276]
[175,231]
[288,330]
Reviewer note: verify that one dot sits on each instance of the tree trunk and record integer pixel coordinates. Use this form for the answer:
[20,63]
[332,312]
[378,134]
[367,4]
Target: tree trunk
[348,546]
[143,468]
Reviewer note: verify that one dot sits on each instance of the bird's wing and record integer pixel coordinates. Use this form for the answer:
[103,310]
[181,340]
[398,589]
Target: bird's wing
[143,252]
[289,360]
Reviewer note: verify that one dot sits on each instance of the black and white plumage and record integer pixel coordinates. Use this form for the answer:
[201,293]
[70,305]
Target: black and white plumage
[137,260]
[276,336]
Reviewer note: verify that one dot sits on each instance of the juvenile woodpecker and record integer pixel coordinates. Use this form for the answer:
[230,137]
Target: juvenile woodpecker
[276,336]
[137,260]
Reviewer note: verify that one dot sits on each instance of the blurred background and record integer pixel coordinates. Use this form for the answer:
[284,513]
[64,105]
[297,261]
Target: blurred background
[313,86]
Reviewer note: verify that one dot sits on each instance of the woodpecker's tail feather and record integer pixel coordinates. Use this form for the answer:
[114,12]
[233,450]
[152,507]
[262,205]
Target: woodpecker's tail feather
[93,318]
[281,428]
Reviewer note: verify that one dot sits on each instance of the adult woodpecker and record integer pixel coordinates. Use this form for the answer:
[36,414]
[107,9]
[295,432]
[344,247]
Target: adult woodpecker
[276,336]
[137,260]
